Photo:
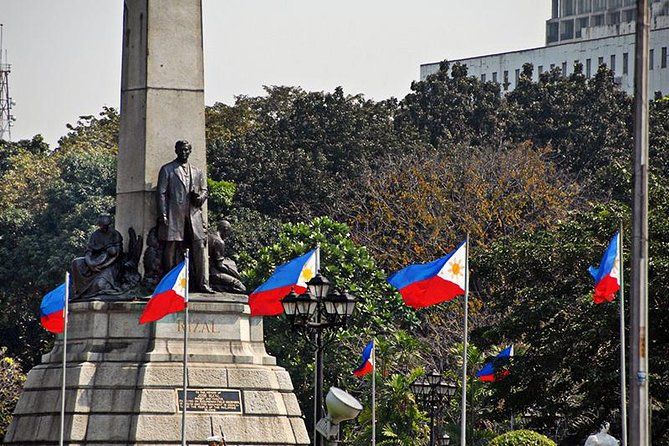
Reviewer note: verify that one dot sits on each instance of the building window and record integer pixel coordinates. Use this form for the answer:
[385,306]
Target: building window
[614,18]
[517,76]
[553,32]
[626,61]
[564,68]
[567,7]
[598,5]
[541,69]
[598,20]
[567,29]
[600,61]
[506,80]
[613,62]
[494,76]
[664,57]
[651,59]
[588,67]
[630,15]
[581,23]
[613,4]
[583,6]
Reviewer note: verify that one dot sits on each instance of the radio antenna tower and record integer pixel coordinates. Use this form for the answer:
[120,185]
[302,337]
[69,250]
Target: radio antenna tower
[6,103]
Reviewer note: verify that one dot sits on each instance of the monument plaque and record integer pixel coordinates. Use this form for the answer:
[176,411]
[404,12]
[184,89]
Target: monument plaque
[211,400]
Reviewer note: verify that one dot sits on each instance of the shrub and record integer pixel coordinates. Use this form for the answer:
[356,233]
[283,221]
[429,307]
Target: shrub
[11,382]
[522,438]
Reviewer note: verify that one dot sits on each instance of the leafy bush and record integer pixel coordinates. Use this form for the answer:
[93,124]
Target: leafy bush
[11,382]
[220,197]
[522,438]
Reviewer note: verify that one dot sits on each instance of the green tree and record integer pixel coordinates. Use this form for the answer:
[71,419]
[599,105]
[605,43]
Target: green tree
[9,150]
[451,108]
[538,288]
[302,151]
[11,383]
[587,122]
[91,133]
[49,202]
[399,420]
[349,266]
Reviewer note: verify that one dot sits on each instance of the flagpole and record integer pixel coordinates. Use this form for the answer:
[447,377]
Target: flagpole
[640,434]
[62,396]
[374,393]
[185,355]
[623,379]
[463,418]
[317,400]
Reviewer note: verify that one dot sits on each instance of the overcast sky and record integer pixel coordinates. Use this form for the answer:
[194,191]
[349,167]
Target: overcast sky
[66,54]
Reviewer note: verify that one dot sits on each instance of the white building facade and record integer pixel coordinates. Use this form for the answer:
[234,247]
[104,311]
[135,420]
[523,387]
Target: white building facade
[590,32]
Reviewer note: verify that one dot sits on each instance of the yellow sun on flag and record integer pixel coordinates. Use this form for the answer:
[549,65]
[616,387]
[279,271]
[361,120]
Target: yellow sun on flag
[456,269]
[182,283]
[307,274]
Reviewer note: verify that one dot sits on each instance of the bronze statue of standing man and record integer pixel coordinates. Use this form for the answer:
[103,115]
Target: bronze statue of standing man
[182,190]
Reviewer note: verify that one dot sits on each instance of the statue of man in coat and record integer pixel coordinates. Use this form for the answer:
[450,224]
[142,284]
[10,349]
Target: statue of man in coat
[182,190]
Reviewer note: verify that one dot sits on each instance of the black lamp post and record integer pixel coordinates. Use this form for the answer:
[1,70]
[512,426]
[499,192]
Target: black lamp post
[444,440]
[432,391]
[314,311]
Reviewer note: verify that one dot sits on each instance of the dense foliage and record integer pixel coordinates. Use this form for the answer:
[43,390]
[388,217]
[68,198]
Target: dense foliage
[539,177]
[522,438]
[11,382]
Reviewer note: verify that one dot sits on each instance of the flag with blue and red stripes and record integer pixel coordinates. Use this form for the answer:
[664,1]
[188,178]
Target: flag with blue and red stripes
[607,276]
[52,310]
[169,296]
[494,370]
[432,283]
[367,365]
[293,275]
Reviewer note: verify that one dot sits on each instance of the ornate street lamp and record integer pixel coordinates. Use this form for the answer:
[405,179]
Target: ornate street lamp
[431,392]
[444,440]
[315,310]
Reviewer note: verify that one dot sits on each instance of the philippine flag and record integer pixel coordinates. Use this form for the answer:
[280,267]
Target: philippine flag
[367,365]
[607,276]
[266,299]
[169,296]
[52,310]
[435,282]
[491,370]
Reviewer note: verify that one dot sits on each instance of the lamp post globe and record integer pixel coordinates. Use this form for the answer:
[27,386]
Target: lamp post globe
[318,286]
[432,391]
[444,440]
[314,311]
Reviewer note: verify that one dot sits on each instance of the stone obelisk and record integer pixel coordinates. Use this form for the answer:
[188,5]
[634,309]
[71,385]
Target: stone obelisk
[162,101]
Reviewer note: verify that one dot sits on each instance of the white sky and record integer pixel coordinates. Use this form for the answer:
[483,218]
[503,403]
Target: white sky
[66,54]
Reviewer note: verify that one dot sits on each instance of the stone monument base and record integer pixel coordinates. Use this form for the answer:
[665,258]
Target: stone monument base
[124,380]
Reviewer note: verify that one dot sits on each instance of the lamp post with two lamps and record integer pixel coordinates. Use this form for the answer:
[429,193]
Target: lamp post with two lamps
[313,312]
[431,392]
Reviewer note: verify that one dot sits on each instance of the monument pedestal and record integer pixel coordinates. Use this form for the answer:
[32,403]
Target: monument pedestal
[124,380]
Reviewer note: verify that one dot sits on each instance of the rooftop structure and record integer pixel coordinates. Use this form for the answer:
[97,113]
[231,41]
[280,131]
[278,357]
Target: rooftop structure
[589,32]
[578,20]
